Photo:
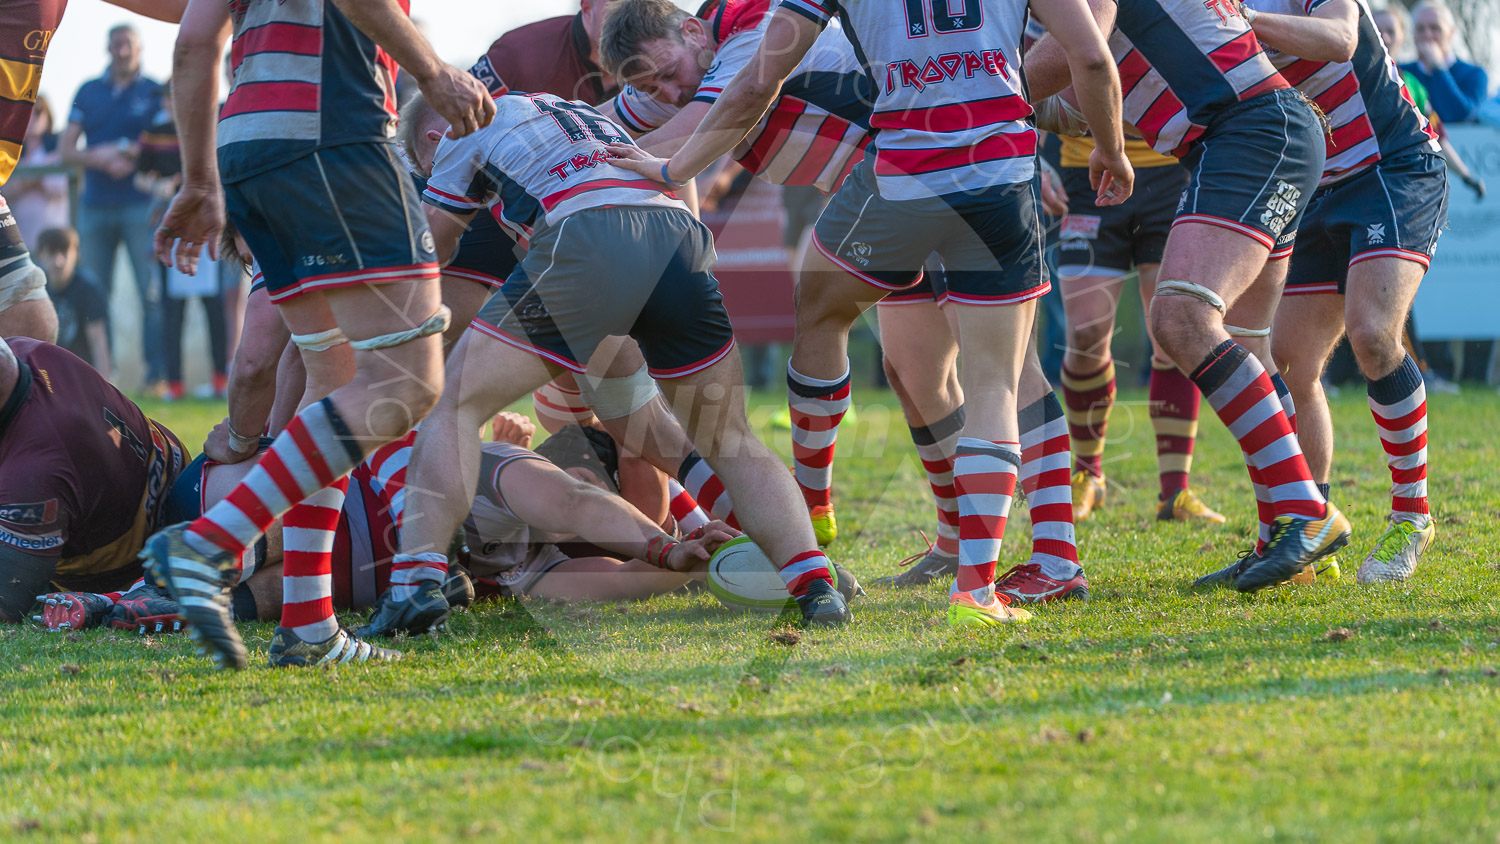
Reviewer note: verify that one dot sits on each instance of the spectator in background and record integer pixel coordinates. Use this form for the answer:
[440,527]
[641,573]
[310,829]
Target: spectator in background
[39,202]
[1456,87]
[82,310]
[109,114]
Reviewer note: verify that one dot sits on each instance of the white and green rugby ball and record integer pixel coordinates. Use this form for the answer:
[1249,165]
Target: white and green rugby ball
[742,577]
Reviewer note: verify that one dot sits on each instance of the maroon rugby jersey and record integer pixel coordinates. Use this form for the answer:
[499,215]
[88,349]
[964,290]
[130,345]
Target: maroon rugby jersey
[26,29]
[549,56]
[82,471]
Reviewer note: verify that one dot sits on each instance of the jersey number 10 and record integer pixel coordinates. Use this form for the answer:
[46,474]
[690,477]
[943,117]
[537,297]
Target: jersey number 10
[967,17]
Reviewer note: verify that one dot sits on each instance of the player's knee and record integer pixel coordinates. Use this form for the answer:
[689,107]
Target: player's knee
[1376,345]
[823,305]
[1090,339]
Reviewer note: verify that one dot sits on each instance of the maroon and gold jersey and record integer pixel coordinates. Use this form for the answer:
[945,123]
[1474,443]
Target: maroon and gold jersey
[83,473]
[26,29]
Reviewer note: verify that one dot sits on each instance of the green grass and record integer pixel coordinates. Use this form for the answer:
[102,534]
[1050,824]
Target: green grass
[1149,713]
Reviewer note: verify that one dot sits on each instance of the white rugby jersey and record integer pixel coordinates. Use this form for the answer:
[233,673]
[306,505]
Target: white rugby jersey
[542,159]
[813,134]
[949,113]
[1370,112]
[1181,63]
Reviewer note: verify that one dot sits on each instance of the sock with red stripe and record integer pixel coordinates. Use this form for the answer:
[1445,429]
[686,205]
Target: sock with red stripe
[684,509]
[804,569]
[1242,394]
[1089,395]
[560,404]
[984,476]
[1399,403]
[817,408]
[407,570]
[1044,478]
[1265,513]
[698,478]
[1284,393]
[315,450]
[388,473]
[1174,419]
[307,532]
[936,444]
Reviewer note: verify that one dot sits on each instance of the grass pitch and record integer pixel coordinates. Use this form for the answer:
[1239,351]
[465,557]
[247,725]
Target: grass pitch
[1327,712]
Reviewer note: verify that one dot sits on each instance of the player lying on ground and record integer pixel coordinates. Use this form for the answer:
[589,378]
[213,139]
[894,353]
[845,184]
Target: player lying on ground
[83,477]
[609,255]
[1364,244]
[953,174]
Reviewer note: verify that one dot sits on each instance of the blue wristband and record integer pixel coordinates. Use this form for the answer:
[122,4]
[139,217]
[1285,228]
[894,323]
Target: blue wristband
[668,179]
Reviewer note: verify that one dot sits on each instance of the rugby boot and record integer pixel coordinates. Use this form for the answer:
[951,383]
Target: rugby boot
[1296,543]
[288,650]
[1226,576]
[148,609]
[1395,555]
[924,568]
[1088,494]
[821,604]
[964,611]
[58,611]
[848,584]
[1026,584]
[1186,506]
[825,526]
[459,587]
[421,612]
[200,584]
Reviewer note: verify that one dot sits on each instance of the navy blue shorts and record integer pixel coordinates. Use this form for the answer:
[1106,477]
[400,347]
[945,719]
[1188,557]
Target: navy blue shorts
[486,253]
[622,270]
[1395,209]
[341,216]
[1108,241]
[1255,170]
[990,242]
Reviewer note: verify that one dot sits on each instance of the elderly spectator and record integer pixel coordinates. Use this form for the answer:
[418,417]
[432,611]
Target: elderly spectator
[39,202]
[1457,88]
[109,114]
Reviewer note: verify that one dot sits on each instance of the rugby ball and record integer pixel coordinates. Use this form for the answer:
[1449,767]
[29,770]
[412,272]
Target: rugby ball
[742,577]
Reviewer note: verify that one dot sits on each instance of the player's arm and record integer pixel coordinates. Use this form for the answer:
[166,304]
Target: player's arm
[554,502]
[1329,33]
[448,228]
[1072,25]
[789,36]
[163,10]
[1048,67]
[23,577]
[461,99]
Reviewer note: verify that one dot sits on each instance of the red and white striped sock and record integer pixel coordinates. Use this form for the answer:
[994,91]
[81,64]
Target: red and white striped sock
[936,445]
[984,475]
[684,509]
[698,478]
[805,569]
[1284,393]
[315,450]
[561,404]
[1399,404]
[817,407]
[1049,495]
[307,532]
[407,570]
[388,473]
[1090,396]
[1243,396]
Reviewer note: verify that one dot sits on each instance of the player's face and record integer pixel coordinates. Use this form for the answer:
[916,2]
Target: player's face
[673,70]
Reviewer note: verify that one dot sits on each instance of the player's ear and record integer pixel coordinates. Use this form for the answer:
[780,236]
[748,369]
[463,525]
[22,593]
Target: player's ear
[434,135]
[693,32]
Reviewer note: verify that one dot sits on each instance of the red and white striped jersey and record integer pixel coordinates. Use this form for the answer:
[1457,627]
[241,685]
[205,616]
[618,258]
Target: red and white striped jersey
[1370,113]
[949,113]
[813,134]
[1182,62]
[304,78]
[542,159]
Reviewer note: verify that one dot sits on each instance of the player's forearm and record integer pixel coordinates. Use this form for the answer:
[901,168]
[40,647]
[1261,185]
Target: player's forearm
[1047,70]
[1313,38]
[195,89]
[738,109]
[391,28]
[1098,92]
[605,520]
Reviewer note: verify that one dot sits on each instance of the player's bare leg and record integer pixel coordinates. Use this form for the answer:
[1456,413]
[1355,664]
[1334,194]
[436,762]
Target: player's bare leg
[1090,303]
[464,297]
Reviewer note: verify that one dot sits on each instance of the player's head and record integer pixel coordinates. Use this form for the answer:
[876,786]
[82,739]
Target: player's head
[57,253]
[1432,22]
[656,47]
[417,133]
[592,12]
[1392,23]
[587,454]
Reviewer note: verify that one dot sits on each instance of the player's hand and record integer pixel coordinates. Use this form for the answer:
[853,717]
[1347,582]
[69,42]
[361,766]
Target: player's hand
[1054,198]
[1430,54]
[698,547]
[1111,176]
[636,160]
[195,220]
[1474,184]
[509,427]
[460,98]
[218,448]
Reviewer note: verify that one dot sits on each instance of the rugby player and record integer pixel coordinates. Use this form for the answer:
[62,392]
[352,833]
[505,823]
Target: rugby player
[26,31]
[83,478]
[1365,242]
[1199,86]
[953,174]
[609,254]
[305,131]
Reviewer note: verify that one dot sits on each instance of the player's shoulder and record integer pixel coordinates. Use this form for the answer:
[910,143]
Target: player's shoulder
[728,18]
[526,54]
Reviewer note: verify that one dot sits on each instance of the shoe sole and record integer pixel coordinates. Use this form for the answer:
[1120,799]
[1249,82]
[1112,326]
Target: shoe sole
[1333,547]
[211,630]
[1077,593]
[971,617]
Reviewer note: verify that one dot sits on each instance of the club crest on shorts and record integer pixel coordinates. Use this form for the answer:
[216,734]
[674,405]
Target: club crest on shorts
[860,253]
[1375,233]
